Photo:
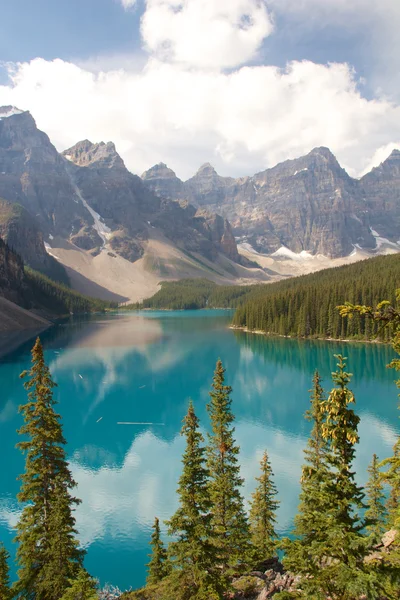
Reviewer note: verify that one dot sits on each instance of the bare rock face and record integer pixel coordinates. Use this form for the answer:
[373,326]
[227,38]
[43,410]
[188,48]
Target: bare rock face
[381,189]
[309,203]
[21,232]
[88,197]
[33,174]
[103,155]
[162,181]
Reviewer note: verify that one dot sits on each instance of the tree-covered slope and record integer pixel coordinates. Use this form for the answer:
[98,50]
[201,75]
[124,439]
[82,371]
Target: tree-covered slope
[31,290]
[306,306]
[189,294]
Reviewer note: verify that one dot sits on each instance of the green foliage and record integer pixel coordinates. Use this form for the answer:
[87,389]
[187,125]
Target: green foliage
[306,306]
[192,553]
[392,477]
[376,513]
[5,592]
[262,514]
[48,555]
[305,553]
[83,587]
[42,292]
[189,294]
[230,530]
[157,567]
[331,549]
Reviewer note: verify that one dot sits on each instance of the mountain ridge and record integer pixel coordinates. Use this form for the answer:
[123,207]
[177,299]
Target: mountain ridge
[306,204]
[98,219]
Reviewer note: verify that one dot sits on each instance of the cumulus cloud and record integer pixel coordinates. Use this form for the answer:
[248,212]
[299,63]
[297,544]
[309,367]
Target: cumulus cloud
[374,26]
[128,3]
[205,33]
[241,121]
[183,107]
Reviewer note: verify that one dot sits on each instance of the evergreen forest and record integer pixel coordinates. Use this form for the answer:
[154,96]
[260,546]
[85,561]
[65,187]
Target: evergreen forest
[302,307]
[344,545]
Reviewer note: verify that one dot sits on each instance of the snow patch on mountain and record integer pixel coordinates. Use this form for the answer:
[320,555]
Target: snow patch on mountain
[9,111]
[101,228]
[380,241]
[285,252]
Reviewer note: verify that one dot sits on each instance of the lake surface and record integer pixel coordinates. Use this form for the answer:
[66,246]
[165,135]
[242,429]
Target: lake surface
[143,367]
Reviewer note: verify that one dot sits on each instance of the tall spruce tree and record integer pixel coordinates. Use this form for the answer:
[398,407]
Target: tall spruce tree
[230,529]
[344,575]
[306,552]
[392,477]
[195,574]
[48,555]
[157,567]
[5,592]
[331,550]
[376,513]
[262,514]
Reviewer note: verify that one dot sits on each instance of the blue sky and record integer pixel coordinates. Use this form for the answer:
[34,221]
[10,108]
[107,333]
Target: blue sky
[329,68]
[80,30]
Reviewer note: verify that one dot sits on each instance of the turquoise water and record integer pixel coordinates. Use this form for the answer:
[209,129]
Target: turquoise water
[143,368]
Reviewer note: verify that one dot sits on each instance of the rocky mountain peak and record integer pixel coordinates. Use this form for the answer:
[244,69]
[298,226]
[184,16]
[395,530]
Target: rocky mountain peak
[159,171]
[9,111]
[206,170]
[323,156]
[88,154]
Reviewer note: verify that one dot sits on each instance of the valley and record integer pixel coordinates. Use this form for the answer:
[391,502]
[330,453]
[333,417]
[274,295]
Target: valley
[81,218]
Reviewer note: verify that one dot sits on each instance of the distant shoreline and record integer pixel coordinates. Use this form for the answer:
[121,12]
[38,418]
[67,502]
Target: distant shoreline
[316,338]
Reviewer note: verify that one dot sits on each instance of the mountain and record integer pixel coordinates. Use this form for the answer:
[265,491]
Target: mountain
[115,237]
[309,204]
[21,232]
[381,189]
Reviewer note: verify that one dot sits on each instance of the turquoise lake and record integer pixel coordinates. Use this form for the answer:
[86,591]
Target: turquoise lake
[143,368]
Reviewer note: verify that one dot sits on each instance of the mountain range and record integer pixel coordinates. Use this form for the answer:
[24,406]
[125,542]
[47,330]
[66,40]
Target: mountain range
[82,216]
[309,204]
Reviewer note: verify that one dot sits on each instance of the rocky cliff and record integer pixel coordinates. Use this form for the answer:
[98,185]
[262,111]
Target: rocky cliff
[307,204]
[21,232]
[85,200]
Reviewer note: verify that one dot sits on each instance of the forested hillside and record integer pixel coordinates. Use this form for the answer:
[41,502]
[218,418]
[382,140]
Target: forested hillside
[56,298]
[301,306]
[31,290]
[189,294]
[306,306]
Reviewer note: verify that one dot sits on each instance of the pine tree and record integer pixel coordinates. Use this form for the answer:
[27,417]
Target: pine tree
[157,567]
[331,550]
[83,587]
[343,574]
[5,592]
[192,554]
[305,553]
[46,488]
[230,530]
[376,513]
[262,514]
[392,477]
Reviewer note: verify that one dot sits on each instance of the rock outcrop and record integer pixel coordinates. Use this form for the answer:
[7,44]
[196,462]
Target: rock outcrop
[87,197]
[307,204]
[21,232]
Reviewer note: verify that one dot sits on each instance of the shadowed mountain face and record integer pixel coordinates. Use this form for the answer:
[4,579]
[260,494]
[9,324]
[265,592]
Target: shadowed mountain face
[309,203]
[87,196]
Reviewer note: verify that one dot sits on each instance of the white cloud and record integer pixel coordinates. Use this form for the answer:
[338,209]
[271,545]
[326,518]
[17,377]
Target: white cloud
[128,3]
[372,25]
[242,121]
[205,33]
